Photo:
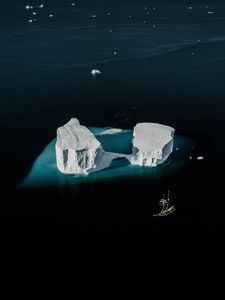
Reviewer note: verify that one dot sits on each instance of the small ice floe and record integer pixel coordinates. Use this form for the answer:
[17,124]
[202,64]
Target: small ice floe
[177,149]
[30,21]
[72,4]
[95,72]
[27,7]
[94,16]
[34,13]
[154,26]
[41,6]
[190,157]
[110,30]
[111,131]
[190,7]
[192,53]
[51,16]
[200,157]
[114,52]
[210,12]
[108,14]
[146,7]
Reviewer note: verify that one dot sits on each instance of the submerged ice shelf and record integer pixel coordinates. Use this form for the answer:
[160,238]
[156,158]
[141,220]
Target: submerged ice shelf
[44,171]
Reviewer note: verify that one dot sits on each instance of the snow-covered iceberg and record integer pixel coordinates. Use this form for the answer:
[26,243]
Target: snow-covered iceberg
[152,144]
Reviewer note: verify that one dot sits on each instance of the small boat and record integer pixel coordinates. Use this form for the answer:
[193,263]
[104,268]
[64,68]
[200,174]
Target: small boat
[166,208]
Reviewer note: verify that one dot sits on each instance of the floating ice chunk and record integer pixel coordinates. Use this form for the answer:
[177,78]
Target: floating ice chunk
[108,14]
[72,4]
[76,148]
[111,131]
[152,144]
[200,157]
[27,6]
[190,7]
[95,72]
[177,149]
[114,52]
[94,16]
[30,21]
[154,26]
[34,13]
[41,6]
[79,152]
[50,16]
[211,12]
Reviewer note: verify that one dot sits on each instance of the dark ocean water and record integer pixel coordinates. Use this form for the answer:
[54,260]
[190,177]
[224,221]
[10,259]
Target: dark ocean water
[166,59]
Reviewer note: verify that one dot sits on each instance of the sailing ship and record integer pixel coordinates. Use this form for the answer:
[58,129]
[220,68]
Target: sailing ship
[166,208]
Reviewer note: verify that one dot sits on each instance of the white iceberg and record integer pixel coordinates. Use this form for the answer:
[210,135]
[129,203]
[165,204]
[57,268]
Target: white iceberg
[95,72]
[78,151]
[152,144]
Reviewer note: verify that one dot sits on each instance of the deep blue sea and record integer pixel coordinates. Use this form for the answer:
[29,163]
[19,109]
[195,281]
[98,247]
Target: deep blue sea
[160,61]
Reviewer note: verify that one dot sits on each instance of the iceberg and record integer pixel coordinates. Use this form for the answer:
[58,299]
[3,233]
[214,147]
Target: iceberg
[79,151]
[152,144]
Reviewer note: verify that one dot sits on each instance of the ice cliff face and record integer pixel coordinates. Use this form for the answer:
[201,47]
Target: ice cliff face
[152,144]
[79,152]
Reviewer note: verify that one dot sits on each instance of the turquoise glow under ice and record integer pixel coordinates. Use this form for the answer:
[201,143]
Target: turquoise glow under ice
[44,171]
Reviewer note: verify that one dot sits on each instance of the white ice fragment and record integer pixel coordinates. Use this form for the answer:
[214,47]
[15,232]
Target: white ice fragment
[111,131]
[177,149]
[27,6]
[152,144]
[154,26]
[34,13]
[108,14]
[72,4]
[95,72]
[190,7]
[190,157]
[114,52]
[50,16]
[41,6]
[110,30]
[30,21]
[94,16]
[211,12]
[200,157]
